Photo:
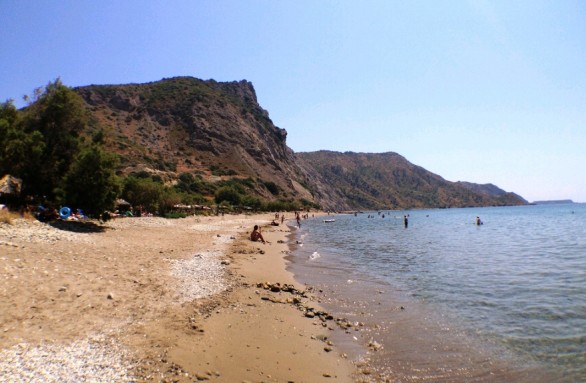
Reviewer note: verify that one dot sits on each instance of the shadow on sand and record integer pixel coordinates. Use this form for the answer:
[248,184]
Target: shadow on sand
[79,226]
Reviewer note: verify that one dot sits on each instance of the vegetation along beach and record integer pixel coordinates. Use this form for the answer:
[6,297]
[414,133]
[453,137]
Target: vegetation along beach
[126,251]
[292,191]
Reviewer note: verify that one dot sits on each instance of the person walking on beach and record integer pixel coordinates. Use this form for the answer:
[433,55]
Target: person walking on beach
[256,236]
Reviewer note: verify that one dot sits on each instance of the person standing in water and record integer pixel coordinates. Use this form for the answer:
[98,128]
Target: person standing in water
[406,221]
[478,221]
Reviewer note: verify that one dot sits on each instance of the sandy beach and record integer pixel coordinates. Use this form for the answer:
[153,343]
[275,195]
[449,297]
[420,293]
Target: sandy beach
[158,300]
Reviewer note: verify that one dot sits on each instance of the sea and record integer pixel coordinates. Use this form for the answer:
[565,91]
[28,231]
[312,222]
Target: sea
[447,300]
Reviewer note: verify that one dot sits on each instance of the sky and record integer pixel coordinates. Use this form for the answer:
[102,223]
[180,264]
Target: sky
[478,91]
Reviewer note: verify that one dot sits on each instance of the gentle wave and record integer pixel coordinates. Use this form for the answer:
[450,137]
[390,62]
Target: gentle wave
[518,281]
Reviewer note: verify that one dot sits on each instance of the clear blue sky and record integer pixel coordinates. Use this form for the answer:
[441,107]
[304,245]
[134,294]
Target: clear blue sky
[480,91]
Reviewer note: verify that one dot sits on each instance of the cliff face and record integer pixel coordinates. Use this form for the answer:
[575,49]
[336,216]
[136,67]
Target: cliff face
[218,130]
[202,127]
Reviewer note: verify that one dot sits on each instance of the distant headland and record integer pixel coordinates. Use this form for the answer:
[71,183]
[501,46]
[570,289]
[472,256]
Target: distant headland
[552,202]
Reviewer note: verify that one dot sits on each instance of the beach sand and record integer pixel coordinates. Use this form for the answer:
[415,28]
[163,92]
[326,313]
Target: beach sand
[157,300]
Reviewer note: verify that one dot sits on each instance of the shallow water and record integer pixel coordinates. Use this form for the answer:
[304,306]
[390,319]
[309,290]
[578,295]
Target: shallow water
[504,301]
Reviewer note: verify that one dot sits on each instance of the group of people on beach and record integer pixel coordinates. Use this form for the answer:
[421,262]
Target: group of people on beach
[256,235]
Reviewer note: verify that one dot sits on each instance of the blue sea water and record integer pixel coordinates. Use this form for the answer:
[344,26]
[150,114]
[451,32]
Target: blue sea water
[454,301]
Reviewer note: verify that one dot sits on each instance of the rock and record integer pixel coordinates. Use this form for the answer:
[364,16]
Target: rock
[199,376]
[374,345]
[323,338]
[110,296]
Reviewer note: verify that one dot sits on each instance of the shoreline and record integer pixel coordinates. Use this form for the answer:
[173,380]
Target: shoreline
[406,338]
[156,300]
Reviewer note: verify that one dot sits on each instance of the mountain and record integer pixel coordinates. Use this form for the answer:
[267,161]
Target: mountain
[495,191]
[217,131]
[388,180]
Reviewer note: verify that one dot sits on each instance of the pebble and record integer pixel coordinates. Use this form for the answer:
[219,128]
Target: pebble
[32,231]
[199,276]
[97,359]
[91,360]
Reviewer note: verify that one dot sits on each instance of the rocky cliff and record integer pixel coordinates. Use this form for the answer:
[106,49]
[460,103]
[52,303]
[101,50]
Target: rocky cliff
[218,131]
[186,125]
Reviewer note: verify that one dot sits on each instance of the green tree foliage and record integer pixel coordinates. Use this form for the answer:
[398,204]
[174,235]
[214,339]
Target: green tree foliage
[189,184]
[59,116]
[90,182]
[143,192]
[20,152]
[168,199]
[228,194]
[43,144]
[272,187]
[251,201]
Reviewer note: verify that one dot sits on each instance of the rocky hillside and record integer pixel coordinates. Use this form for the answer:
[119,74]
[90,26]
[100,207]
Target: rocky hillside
[212,129]
[388,180]
[218,131]
[494,191]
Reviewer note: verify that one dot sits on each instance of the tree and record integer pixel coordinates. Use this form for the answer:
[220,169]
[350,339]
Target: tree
[91,182]
[21,151]
[144,192]
[59,116]
[169,198]
[228,194]
[252,201]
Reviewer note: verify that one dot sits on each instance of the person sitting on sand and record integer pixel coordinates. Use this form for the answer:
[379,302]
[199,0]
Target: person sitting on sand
[256,236]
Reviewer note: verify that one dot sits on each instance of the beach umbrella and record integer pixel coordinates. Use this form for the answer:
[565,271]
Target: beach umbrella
[10,185]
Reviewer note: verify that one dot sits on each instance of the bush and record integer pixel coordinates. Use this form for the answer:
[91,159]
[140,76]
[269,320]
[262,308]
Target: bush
[175,214]
[228,194]
[272,187]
